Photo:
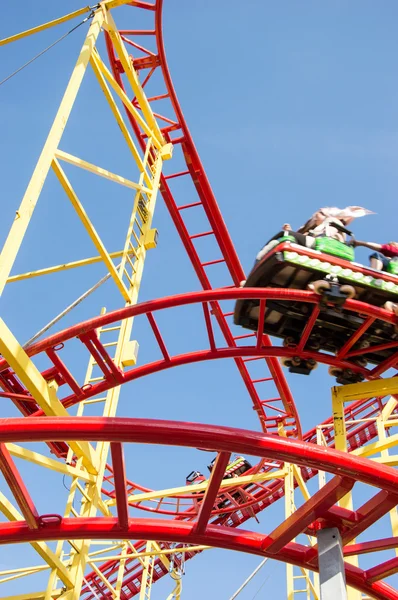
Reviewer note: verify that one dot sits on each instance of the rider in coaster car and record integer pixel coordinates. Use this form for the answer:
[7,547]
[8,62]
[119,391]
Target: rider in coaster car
[320,224]
[383,255]
[324,221]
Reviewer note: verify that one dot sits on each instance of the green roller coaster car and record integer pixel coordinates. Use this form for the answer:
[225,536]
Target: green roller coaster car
[335,248]
[328,267]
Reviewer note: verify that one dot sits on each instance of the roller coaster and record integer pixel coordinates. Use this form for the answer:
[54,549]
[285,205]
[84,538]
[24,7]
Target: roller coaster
[60,390]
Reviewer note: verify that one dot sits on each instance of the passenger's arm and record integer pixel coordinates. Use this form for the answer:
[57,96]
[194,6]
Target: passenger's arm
[371,245]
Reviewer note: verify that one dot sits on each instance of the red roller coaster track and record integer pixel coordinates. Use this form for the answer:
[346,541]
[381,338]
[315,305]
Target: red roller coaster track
[320,508]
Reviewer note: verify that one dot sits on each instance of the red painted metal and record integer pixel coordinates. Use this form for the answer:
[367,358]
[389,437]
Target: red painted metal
[113,376]
[218,537]
[308,328]
[374,546]
[206,506]
[120,484]
[18,488]
[369,513]
[354,338]
[321,501]
[385,569]
[193,435]
[225,440]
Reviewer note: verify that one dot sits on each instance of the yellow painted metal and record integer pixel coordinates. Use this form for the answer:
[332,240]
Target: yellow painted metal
[38,28]
[357,391]
[289,510]
[133,79]
[84,262]
[379,446]
[34,596]
[200,487]
[27,206]
[176,593]
[157,553]
[83,164]
[367,389]
[120,572]
[69,564]
[158,141]
[385,456]
[133,258]
[104,580]
[304,577]
[109,4]
[44,393]
[339,396]
[147,575]
[60,173]
[12,574]
[96,65]
[48,463]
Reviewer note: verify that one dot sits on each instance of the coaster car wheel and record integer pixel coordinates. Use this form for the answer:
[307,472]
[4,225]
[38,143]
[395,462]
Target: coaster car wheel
[290,342]
[290,361]
[349,290]
[391,307]
[345,376]
[320,287]
[311,363]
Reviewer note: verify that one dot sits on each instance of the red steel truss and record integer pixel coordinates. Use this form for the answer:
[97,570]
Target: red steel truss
[319,511]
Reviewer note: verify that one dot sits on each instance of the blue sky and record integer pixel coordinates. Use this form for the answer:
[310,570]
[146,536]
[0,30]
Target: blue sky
[292,106]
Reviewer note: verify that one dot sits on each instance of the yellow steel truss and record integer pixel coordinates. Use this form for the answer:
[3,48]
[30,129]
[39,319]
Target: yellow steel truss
[67,564]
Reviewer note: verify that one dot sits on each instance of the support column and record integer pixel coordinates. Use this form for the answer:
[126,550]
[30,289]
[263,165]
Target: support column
[331,565]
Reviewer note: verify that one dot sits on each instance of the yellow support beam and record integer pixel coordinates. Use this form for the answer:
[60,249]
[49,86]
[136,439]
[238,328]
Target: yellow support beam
[379,446]
[157,552]
[94,61]
[349,393]
[95,238]
[158,142]
[12,514]
[38,28]
[109,4]
[34,596]
[300,482]
[13,574]
[133,80]
[29,201]
[44,393]
[201,487]
[48,463]
[57,268]
[83,164]
[367,389]
[120,572]
[104,580]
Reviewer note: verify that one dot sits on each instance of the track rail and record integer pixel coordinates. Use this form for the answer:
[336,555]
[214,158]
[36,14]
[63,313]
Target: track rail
[85,332]
[153,62]
[346,468]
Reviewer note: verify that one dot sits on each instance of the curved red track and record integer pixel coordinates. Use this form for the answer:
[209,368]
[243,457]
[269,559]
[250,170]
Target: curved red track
[321,508]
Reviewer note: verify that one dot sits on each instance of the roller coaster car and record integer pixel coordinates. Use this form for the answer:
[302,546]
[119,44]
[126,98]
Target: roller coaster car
[194,477]
[235,468]
[329,270]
